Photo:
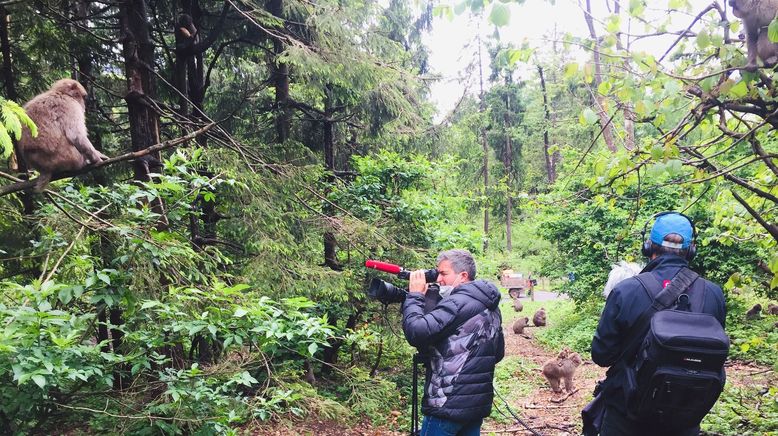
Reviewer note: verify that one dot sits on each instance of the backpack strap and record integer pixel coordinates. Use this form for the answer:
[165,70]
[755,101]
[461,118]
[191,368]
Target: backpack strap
[663,299]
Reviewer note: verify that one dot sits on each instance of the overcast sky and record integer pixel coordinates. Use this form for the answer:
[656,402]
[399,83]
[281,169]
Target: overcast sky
[452,42]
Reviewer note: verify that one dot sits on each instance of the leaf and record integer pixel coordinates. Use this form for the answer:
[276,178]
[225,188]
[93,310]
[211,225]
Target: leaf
[772,31]
[739,90]
[500,15]
[39,380]
[570,70]
[240,312]
[588,117]
[703,40]
[312,348]
[6,146]
[604,88]
[104,278]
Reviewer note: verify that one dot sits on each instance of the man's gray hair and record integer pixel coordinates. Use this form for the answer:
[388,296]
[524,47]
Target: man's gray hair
[461,260]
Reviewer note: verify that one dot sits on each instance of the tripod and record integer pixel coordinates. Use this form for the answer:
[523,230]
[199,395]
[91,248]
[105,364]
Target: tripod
[418,359]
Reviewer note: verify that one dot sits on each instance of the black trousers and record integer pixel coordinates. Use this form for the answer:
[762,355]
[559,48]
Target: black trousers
[616,424]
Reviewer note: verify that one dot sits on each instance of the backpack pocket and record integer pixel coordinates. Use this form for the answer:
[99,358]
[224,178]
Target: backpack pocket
[676,398]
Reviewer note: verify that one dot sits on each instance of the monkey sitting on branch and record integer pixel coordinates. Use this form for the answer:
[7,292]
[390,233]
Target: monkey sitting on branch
[562,368]
[756,16]
[62,143]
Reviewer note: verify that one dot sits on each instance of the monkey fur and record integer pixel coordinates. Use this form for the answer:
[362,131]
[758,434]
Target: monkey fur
[517,306]
[539,319]
[519,325]
[756,16]
[62,143]
[754,312]
[772,309]
[562,368]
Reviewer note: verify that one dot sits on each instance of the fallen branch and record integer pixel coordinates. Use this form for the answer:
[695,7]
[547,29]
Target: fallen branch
[562,399]
[21,186]
[532,406]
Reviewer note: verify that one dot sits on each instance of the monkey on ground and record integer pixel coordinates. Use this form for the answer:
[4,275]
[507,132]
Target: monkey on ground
[517,306]
[519,325]
[62,143]
[772,309]
[539,319]
[756,16]
[562,368]
[754,312]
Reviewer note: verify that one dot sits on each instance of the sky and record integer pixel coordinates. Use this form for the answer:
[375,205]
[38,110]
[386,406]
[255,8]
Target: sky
[452,47]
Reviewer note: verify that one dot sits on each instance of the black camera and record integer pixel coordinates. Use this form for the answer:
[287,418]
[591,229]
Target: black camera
[388,293]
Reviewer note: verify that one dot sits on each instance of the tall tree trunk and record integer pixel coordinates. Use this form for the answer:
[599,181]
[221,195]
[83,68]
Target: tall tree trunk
[330,242]
[508,163]
[15,162]
[280,78]
[629,112]
[484,145]
[550,159]
[138,51]
[607,128]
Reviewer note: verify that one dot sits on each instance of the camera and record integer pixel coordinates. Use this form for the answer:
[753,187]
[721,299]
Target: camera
[388,293]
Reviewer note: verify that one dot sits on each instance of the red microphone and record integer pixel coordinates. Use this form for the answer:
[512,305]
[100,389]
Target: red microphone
[383,266]
[430,274]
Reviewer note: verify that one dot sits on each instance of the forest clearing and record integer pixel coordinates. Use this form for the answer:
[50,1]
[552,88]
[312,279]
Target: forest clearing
[223,217]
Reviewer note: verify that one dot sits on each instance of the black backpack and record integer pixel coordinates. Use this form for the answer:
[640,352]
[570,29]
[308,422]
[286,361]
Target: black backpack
[674,365]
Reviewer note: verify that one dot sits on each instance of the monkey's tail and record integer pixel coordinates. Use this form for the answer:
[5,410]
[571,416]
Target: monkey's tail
[42,181]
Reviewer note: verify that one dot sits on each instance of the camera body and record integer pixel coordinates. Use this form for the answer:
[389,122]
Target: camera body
[388,293]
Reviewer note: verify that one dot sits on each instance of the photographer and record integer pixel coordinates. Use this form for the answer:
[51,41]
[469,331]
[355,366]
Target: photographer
[462,338]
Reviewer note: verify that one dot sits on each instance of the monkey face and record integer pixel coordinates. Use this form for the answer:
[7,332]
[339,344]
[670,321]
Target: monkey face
[739,7]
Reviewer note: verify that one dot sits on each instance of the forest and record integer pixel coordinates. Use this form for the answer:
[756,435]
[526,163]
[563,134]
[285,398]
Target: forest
[200,269]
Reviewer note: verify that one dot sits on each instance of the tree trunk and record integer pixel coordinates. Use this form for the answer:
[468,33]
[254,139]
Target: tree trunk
[280,78]
[550,159]
[15,162]
[138,51]
[330,242]
[508,163]
[485,147]
[607,128]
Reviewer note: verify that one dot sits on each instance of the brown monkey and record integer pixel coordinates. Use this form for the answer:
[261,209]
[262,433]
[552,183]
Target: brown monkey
[562,367]
[520,325]
[772,309]
[185,26]
[756,16]
[62,143]
[539,319]
[754,312]
[517,306]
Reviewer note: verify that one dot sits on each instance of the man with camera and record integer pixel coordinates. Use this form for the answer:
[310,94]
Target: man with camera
[661,335]
[463,341]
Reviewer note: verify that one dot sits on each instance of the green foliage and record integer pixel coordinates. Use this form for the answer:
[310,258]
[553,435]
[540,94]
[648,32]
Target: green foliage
[13,116]
[744,410]
[573,327]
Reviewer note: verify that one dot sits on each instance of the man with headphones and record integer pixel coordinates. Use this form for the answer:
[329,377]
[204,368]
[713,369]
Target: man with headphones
[669,248]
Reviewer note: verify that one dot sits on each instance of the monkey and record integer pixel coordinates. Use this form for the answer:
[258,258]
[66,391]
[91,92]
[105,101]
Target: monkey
[520,325]
[517,306]
[772,309]
[754,312]
[539,319]
[185,26]
[62,143]
[562,367]
[756,16]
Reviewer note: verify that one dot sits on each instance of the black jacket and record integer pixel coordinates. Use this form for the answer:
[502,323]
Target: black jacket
[462,336]
[622,309]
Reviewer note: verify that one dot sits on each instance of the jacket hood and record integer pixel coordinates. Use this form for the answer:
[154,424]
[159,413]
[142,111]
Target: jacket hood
[483,291]
[666,260]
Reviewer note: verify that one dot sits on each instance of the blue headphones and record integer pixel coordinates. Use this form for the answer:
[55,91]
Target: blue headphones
[647,248]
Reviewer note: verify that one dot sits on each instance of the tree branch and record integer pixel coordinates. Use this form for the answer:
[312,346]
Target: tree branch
[20,186]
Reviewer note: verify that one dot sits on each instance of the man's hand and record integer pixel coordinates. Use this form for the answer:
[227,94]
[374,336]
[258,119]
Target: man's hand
[417,283]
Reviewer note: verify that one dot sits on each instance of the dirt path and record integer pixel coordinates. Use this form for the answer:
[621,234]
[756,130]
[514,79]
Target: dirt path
[536,408]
